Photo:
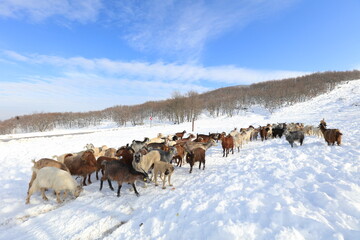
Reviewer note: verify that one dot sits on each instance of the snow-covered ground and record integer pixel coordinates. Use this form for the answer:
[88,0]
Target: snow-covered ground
[267,191]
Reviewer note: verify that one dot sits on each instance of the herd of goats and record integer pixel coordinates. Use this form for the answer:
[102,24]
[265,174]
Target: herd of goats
[134,161]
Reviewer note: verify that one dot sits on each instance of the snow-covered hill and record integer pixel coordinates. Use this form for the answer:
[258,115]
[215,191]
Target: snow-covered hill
[268,190]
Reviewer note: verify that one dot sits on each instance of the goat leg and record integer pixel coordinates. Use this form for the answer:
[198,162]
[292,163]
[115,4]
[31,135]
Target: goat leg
[179,162]
[155,176]
[118,192]
[89,178]
[43,194]
[169,178]
[110,185]
[58,196]
[164,181]
[101,184]
[136,192]
[65,193]
[84,180]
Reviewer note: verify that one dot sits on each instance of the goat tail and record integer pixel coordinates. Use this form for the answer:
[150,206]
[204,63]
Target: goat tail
[338,134]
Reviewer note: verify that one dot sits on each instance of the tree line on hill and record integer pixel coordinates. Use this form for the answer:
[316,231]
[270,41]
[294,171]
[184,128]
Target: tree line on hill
[187,107]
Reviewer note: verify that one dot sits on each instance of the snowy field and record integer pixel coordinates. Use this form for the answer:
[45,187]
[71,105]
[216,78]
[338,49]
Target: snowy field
[267,191]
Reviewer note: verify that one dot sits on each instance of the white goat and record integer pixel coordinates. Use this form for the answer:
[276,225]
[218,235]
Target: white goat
[62,157]
[238,140]
[143,163]
[98,151]
[317,132]
[165,170]
[159,139]
[54,178]
[308,130]
[234,132]
[189,145]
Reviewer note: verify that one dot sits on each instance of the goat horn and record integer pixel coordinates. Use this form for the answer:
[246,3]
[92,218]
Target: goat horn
[144,171]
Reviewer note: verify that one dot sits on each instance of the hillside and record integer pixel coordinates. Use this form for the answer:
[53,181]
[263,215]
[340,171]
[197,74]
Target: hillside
[184,107]
[268,190]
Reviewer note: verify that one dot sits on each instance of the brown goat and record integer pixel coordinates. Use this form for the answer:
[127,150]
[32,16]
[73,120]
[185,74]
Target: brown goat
[198,140]
[190,145]
[180,154]
[227,143]
[100,167]
[203,138]
[330,135]
[180,135]
[264,132]
[215,136]
[120,172]
[110,152]
[83,164]
[161,146]
[46,162]
[126,154]
[184,140]
[197,155]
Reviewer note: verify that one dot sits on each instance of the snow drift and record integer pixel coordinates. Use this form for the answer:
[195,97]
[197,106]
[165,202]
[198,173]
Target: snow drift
[267,191]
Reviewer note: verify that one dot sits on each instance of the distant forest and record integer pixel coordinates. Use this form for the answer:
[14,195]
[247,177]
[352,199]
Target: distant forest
[180,108]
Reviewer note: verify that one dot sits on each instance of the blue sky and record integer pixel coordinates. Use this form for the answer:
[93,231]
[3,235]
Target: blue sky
[68,55]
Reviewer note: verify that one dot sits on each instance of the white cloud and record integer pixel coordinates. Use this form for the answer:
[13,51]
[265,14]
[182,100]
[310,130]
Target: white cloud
[159,71]
[15,56]
[39,10]
[178,29]
[76,92]
[82,84]
[184,27]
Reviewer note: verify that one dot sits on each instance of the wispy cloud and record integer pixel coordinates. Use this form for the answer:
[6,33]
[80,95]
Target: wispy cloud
[159,71]
[176,29]
[184,27]
[38,10]
[82,84]
[74,91]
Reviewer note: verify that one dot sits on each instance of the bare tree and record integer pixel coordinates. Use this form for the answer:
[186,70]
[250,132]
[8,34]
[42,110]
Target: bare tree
[179,108]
